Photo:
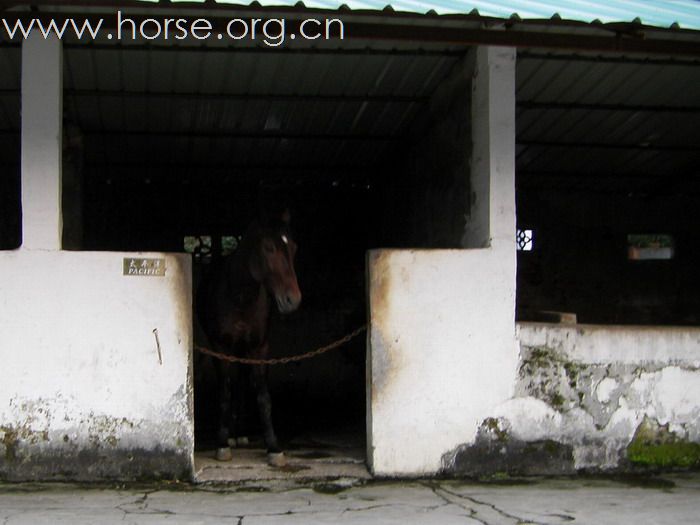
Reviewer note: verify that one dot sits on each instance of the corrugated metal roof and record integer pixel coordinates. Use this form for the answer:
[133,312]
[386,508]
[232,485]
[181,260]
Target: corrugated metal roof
[191,113]
[605,124]
[183,113]
[658,13]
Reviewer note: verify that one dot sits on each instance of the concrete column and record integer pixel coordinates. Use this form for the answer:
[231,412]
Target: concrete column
[492,215]
[442,349]
[42,116]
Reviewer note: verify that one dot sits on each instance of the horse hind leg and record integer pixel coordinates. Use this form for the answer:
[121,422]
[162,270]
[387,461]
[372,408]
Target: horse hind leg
[275,456]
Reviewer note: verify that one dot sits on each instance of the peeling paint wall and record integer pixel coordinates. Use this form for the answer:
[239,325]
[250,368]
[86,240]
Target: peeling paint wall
[83,393]
[593,398]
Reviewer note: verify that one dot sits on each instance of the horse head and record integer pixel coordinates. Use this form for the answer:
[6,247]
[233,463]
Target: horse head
[272,263]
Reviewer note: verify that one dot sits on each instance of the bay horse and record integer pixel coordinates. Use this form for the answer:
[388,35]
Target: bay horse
[234,304]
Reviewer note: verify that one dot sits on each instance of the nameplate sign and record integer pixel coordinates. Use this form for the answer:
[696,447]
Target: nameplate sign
[144,267]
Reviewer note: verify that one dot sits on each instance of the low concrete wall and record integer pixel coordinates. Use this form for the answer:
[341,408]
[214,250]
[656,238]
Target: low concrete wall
[84,394]
[442,353]
[593,398]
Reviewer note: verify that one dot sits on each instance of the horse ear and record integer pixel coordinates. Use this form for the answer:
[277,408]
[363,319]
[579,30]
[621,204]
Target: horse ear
[286,216]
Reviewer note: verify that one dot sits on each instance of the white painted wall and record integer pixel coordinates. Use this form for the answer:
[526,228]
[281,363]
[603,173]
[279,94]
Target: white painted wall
[442,353]
[606,344]
[442,349]
[81,371]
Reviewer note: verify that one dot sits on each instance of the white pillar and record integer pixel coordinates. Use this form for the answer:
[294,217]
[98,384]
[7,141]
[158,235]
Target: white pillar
[442,349]
[492,215]
[42,116]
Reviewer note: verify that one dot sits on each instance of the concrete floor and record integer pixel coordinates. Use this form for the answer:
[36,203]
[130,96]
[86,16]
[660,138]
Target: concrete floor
[250,464]
[313,456]
[668,500]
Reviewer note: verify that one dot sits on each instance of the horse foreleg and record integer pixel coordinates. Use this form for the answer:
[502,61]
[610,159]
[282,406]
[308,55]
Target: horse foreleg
[241,387]
[274,453]
[223,451]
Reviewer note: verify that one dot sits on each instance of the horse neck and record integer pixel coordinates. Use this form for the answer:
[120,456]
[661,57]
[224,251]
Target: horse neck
[239,279]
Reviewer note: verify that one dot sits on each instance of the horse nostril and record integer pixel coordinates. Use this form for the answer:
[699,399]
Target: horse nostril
[288,302]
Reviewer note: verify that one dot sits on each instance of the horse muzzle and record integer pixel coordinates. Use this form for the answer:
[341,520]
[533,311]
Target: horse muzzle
[288,302]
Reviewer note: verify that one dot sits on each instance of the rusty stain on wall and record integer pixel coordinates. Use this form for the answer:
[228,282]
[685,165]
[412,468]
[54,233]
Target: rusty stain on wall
[182,296]
[383,359]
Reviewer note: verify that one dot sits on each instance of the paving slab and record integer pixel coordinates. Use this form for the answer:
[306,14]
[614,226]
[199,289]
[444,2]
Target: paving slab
[672,499]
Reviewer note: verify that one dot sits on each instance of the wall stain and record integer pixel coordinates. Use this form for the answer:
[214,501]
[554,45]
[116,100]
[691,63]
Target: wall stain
[9,441]
[383,350]
[96,448]
[495,453]
[182,294]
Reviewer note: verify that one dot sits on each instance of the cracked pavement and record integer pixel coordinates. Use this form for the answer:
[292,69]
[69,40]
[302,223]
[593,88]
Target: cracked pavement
[673,499]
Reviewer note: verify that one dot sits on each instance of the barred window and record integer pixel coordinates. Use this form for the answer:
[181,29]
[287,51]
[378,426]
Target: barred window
[649,247]
[199,246]
[524,240]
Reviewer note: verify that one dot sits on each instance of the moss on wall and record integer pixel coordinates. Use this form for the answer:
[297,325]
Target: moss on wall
[680,454]
[653,445]
[547,375]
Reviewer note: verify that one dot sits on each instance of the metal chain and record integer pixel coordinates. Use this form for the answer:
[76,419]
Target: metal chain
[281,360]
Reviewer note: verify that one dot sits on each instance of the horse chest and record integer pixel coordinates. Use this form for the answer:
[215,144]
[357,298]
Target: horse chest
[246,321]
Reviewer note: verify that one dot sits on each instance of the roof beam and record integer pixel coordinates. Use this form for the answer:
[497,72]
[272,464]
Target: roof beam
[180,48]
[227,135]
[134,166]
[648,184]
[522,175]
[565,106]
[295,97]
[81,93]
[183,48]
[603,59]
[604,145]
[243,135]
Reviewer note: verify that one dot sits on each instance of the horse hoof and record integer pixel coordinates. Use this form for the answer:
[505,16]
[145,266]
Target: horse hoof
[223,454]
[276,459]
[238,442]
